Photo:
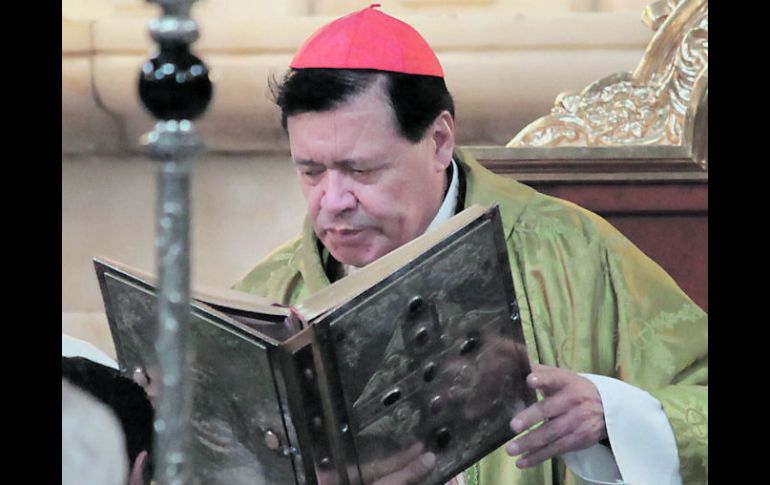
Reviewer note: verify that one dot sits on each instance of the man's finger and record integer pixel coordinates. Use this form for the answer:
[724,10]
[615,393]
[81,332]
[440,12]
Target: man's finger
[547,408]
[413,473]
[547,433]
[569,442]
[547,380]
[392,463]
[580,437]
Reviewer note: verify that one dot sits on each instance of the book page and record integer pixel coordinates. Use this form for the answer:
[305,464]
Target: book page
[221,298]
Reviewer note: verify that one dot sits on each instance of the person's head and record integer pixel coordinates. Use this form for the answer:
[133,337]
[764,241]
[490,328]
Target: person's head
[93,450]
[371,145]
[127,400]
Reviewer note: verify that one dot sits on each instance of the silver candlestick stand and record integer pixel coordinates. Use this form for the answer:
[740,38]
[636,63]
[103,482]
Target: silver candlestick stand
[174,86]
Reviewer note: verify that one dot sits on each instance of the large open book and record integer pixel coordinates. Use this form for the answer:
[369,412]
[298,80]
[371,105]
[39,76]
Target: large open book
[422,350]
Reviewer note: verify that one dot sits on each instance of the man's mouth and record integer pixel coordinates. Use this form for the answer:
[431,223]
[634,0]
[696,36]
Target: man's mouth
[344,235]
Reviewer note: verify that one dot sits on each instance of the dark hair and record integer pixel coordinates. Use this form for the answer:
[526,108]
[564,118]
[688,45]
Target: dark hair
[123,396]
[416,100]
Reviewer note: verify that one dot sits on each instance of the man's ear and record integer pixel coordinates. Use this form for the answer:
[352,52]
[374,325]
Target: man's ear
[443,135]
[137,469]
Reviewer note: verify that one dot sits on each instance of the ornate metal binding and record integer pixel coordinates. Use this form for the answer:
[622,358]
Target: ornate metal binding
[430,357]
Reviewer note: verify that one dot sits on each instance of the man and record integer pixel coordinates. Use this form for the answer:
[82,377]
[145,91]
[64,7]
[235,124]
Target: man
[127,401]
[618,351]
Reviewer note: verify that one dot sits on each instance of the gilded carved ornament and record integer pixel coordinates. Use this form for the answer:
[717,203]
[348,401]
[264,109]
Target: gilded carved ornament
[663,102]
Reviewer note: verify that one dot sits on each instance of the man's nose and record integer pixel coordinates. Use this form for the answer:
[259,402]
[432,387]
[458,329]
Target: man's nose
[338,194]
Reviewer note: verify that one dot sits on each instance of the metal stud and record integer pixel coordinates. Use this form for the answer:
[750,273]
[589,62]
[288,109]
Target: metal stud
[272,441]
[140,376]
[416,305]
[429,372]
[442,437]
[421,336]
[391,397]
[469,345]
[436,404]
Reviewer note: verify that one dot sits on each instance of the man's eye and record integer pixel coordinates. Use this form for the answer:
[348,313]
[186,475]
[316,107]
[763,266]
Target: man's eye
[363,170]
[312,172]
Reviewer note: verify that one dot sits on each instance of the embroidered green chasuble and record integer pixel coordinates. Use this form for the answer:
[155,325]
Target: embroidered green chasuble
[590,301]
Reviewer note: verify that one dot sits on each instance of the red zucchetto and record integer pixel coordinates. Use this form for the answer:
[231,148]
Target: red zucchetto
[368,39]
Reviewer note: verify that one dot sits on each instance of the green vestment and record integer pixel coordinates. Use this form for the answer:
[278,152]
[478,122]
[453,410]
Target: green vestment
[590,301]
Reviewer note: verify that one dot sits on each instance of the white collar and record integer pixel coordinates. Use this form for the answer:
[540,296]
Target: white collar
[447,208]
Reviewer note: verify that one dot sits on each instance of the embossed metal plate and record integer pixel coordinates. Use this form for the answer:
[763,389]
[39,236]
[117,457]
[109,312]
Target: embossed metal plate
[433,358]
[238,425]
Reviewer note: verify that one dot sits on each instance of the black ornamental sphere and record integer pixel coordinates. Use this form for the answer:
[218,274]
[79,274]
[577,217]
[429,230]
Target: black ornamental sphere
[175,85]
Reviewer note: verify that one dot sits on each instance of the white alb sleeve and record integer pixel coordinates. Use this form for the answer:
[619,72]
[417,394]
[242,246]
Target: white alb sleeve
[643,445]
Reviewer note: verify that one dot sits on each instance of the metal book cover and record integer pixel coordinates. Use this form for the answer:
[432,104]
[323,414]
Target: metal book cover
[429,355]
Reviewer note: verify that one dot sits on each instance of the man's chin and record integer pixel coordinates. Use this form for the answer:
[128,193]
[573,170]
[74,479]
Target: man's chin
[353,258]
[357,250]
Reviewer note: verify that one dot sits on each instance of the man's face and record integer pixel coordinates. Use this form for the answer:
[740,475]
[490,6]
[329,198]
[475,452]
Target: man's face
[368,189]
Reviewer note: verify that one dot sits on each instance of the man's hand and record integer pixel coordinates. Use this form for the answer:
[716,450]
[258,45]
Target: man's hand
[411,468]
[571,411]
[408,467]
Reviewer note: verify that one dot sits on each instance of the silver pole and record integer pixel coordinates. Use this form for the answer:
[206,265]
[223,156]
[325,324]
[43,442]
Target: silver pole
[173,345]
[175,87]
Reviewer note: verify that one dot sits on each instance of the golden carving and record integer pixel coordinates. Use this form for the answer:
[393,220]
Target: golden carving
[656,13]
[655,105]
